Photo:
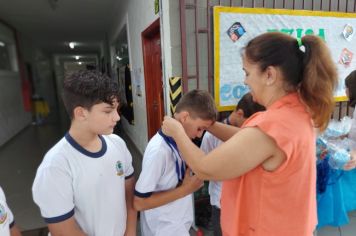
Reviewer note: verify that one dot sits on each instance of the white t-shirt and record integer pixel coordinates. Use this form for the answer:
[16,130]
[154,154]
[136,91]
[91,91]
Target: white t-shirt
[6,217]
[209,143]
[91,186]
[159,174]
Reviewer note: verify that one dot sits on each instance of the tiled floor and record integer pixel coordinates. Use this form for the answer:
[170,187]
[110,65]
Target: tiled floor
[347,230]
[20,157]
[19,160]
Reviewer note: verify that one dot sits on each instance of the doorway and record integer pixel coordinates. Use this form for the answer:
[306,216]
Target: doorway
[151,46]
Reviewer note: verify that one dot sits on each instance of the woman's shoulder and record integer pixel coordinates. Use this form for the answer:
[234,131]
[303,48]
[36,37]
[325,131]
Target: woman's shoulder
[283,120]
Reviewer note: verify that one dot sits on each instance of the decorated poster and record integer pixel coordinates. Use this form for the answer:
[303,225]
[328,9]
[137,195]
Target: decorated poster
[234,27]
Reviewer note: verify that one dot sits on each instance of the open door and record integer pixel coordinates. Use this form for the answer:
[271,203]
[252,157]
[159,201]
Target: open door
[151,45]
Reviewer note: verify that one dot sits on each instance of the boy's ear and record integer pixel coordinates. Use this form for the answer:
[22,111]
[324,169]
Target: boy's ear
[240,112]
[181,116]
[80,113]
[239,118]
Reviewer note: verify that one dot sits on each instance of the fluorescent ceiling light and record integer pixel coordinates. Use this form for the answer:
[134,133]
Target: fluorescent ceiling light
[80,63]
[2,44]
[119,58]
[76,57]
[71,45]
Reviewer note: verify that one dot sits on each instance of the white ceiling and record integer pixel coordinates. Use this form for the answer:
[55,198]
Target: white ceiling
[51,24]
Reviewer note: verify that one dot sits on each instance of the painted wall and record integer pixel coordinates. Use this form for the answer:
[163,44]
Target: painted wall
[171,44]
[13,117]
[140,14]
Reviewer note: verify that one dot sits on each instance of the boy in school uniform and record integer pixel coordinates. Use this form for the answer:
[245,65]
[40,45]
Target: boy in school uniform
[84,185]
[245,108]
[163,190]
[7,222]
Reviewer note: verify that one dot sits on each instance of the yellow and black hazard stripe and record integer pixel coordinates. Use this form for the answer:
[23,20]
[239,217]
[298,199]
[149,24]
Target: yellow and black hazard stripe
[175,92]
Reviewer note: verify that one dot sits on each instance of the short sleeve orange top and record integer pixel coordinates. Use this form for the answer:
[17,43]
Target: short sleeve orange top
[282,202]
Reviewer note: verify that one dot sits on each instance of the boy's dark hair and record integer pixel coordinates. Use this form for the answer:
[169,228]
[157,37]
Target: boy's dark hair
[248,106]
[199,104]
[86,88]
[350,83]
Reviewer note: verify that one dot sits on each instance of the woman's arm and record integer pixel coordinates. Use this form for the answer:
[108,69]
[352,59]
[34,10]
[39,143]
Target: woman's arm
[223,131]
[244,151]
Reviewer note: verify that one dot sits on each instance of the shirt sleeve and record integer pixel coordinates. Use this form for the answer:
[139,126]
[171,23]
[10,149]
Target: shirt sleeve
[209,142]
[52,192]
[276,128]
[129,170]
[153,166]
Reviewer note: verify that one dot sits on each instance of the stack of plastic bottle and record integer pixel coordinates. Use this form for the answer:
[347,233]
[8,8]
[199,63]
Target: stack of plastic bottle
[334,144]
[333,152]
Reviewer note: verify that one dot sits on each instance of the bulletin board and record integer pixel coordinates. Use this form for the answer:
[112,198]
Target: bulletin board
[234,27]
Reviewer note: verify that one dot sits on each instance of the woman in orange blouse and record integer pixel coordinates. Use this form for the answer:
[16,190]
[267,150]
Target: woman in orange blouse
[269,165]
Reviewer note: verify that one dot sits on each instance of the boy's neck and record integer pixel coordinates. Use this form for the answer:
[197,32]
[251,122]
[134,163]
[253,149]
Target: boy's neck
[88,140]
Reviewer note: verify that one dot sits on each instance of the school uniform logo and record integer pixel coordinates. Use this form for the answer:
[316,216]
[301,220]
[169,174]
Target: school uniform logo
[3,214]
[119,168]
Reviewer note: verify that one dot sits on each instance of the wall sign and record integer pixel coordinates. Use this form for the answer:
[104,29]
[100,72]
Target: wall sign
[234,27]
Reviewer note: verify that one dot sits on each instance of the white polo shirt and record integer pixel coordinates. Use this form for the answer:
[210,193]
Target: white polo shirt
[6,217]
[91,186]
[159,174]
[209,143]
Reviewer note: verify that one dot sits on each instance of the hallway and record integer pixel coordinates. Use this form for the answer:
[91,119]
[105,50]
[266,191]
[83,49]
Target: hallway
[19,159]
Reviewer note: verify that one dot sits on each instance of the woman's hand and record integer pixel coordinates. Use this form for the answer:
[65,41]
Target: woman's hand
[171,127]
